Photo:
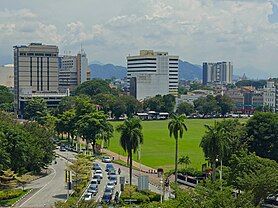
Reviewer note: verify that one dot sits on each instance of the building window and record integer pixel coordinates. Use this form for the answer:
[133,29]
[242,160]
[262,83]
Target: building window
[48,73]
[31,72]
[41,75]
[38,74]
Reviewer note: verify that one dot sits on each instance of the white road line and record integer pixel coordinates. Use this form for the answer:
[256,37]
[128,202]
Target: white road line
[54,172]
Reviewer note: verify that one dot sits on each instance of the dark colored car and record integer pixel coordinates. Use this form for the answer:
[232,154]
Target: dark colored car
[106,198]
[109,167]
[98,177]
[113,178]
[96,166]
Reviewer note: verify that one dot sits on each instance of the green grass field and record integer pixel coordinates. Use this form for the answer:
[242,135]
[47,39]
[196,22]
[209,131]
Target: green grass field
[158,149]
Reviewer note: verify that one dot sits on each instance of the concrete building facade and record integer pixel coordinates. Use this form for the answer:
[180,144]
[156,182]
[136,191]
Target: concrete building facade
[35,71]
[217,73]
[73,70]
[151,73]
[270,95]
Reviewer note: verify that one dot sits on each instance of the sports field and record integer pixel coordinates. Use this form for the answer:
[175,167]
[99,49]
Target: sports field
[158,149]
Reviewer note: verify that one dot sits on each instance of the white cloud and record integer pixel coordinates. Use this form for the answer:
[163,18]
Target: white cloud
[196,30]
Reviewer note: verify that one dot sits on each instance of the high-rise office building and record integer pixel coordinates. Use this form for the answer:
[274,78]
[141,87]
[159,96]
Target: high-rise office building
[151,73]
[217,73]
[82,67]
[73,70]
[35,72]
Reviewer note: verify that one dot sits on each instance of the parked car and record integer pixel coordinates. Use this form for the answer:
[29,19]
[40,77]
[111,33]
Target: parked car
[112,172]
[98,178]
[96,166]
[62,149]
[93,188]
[106,159]
[108,190]
[113,178]
[106,198]
[94,181]
[98,172]
[88,196]
[110,185]
[109,167]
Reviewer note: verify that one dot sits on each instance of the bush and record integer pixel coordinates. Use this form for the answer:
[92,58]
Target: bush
[10,194]
[191,172]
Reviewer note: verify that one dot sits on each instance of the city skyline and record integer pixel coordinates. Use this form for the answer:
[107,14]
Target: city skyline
[244,32]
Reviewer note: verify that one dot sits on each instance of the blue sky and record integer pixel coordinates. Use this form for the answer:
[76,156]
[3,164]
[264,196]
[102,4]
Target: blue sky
[244,32]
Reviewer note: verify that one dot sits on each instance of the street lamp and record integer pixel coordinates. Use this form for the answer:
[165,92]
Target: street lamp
[220,172]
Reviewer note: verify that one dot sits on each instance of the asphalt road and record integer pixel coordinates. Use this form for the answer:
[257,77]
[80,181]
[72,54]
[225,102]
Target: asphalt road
[50,189]
[125,173]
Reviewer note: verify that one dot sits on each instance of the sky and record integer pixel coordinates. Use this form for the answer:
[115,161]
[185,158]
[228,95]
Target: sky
[242,31]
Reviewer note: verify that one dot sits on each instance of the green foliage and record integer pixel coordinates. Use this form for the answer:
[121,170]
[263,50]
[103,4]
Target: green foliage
[206,105]
[254,83]
[176,127]
[5,95]
[182,90]
[35,109]
[10,194]
[262,128]
[130,139]
[91,126]
[184,160]
[131,192]
[249,172]
[94,87]
[24,147]
[191,172]
[225,103]
[165,103]
[185,108]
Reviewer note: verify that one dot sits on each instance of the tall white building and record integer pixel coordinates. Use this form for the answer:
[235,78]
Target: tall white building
[7,75]
[217,73]
[270,95]
[151,73]
[82,67]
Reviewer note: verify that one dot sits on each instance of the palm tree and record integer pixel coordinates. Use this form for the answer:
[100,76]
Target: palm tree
[184,160]
[214,145]
[130,139]
[176,127]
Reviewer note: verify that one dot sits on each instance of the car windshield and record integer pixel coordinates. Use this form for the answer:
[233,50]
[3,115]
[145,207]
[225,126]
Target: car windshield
[113,177]
[87,195]
[98,171]
[110,183]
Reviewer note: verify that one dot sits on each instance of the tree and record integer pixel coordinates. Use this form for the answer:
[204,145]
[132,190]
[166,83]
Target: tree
[90,126]
[184,160]
[35,109]
[214,145]
[66,123]
[130,139]
[155,103]
[169,102]
[262,128]
[132,105]
[225,103]
[249,172]
[185,108]
[206,105]
[5,95]
[118,108]
[66,103]
[176,127]
[105,101]
[94,87]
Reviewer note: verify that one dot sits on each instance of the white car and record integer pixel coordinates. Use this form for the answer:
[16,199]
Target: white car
[98,173]
[88,196]
[110,185]
[106,159]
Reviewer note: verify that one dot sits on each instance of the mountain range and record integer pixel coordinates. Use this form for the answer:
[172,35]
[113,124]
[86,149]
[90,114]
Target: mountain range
[187,71]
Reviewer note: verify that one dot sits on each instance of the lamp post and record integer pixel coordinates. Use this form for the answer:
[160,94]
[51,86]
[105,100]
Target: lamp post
[220,172]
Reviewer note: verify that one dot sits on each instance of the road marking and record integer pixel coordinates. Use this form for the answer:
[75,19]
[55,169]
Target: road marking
[54,172]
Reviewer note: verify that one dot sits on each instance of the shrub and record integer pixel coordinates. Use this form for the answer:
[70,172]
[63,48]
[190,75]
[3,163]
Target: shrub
[10,194]
[191,172]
